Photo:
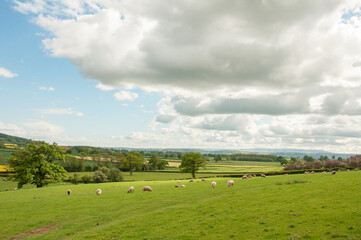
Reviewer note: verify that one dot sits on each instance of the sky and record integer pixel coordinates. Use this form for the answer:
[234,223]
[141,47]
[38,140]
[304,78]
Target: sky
[234,74]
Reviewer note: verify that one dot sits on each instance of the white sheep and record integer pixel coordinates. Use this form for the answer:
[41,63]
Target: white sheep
[214,184]
[131,189]
[147,188]
[333,172]
[203,180]
[262,175]
[244,177]
[191,180]
[98,192]
[183,186]
[324,172]
[230,183]
[69,192]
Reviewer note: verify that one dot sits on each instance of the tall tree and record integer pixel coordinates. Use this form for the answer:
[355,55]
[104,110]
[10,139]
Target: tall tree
[38,164]
[191,162]
[133,160]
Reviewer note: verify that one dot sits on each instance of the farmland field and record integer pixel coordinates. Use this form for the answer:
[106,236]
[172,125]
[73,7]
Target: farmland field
[317,206]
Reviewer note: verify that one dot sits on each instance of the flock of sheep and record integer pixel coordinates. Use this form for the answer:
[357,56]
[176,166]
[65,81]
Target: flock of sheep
[213,184]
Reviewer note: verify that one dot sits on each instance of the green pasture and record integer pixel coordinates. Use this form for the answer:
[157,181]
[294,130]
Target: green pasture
[5,153]
[241,168]
[314,206]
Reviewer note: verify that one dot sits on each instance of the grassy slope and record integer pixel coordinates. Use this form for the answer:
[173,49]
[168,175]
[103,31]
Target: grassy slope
[325,207]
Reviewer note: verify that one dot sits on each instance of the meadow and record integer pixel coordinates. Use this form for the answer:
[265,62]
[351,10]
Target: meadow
[314,206]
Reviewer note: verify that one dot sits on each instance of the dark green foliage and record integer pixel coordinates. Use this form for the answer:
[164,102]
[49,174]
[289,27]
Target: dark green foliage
[115,175]
[73,164]
[74,179]
[21,142]
[308,158]
[155,163]
[88,168]
[133,160]
[253,157]
[86,179]
[38,164]
[191,162]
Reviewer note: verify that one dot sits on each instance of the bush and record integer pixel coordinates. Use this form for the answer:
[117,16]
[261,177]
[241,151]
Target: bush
[99,177]
[104,170]
[74,179]
[115,175]
[86,179]
[88,168]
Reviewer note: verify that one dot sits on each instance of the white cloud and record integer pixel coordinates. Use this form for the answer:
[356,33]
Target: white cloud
[58,111]
[6,73]
[46,88]
[104,87]
[126,96]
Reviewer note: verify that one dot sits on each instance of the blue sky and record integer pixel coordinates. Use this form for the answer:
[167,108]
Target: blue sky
[180,74]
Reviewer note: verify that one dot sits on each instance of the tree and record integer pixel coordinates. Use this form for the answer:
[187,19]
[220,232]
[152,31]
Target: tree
[218,157]
[308,158]
[133,160]
[38,164]
[191,162]
[282,160]
[156,163]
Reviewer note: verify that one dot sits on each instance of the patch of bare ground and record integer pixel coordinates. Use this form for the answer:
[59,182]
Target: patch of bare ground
[34,232]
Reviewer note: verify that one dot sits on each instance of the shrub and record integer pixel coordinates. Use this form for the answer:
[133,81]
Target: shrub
[74,179]
[105,170]
[99,177]
[88,168]
[115,175]
[86,179]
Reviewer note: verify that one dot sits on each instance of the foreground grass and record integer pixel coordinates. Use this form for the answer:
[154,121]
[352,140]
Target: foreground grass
[314,206]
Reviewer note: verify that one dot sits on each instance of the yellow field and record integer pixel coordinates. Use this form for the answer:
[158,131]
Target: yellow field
[4,168]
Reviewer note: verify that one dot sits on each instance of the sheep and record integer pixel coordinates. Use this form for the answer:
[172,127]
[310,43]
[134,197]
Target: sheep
[254,175]
[356,169]
[312,172]
[147,188]
[6,189]
[179,181]
[214,184]
[69,192]
[306,172]
[244,177]
[323,172]
[230,183]
[339,170]
[15,189]
[348,170]
[131,189]
[98,192]
[286,174]
[262,175]
[203,180]
[183,186]
[333,172]
[176,186]
[191,180]
[250,176]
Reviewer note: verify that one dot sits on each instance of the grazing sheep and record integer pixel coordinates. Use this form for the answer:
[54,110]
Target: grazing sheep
[147,188]
[98,192]
[356,169]
[230,183]
[176,186]
[179,181]
[15,189]
[323,172]
[203,180]
[183,185]
[69,192]
[131,189]
[250,176]
[254,175]
[214,184]
[262,175]
[306,172]
[244,177]
[191,180]
[286,174]
[312,172]
[333,172]
[6,189]
[348,170]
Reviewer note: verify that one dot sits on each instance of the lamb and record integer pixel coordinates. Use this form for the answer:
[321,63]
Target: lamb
[191,180]
[333,172]
[214,184]
[203,180]
[244,177]
[69,192]
[131,189]
[147,188]
[183,186]
[176,186]
[262,175]
[98,192]
[230,183]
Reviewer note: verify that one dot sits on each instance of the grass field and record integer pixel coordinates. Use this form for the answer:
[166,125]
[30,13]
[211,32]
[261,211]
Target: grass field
[317,206]
[5,153]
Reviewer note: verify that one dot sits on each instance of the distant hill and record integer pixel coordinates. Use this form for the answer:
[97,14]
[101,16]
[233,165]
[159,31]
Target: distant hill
[8,139]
